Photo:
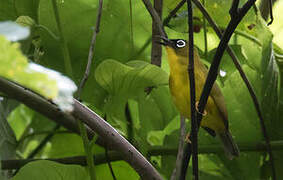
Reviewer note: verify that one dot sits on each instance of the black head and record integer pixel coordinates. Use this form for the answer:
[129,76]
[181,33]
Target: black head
[180,46]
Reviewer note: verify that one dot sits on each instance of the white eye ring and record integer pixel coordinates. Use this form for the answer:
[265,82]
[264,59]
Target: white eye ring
[180,43]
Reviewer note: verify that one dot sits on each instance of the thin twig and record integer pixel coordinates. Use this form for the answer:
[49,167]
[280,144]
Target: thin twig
[173,12]
[109,164]
[41,145]
[83,131]
[155,17]
[43,142]
[130,128]
[41,133]
[88,150]
[94,124]
[165,23]
[191,73]
[217,148]
[79,160]
[131,26]
[204,33]
[64,45]
[106,155]
[177,170]
[91,49]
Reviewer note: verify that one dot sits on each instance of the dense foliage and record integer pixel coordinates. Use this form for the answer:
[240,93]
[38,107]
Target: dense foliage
[120,73]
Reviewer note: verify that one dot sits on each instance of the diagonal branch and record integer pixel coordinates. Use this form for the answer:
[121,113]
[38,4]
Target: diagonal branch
[213,71]
[156,49]
[94,123]
[155,17]
[115,140]
[91,49]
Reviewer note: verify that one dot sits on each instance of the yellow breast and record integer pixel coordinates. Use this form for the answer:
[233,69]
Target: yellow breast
[179,88]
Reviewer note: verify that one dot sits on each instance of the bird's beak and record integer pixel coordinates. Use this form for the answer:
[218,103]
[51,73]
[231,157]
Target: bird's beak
[164,41]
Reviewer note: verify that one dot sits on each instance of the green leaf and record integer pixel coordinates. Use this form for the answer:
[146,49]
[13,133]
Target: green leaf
[7,136]
[7,11]
[27,8]
[61,146]
[156,137]
[46,170]
[129,79]
[126,81]
[121,169]
[19,119]
[227,66]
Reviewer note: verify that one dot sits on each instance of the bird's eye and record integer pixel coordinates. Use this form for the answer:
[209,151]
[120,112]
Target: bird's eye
[180,43]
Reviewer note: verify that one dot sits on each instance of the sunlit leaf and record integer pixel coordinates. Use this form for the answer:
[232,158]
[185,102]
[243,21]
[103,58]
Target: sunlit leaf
[46,82]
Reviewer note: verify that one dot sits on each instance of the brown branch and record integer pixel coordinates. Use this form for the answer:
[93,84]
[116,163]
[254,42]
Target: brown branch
[165,23]
[115,140]
[91,49]
[154,151]
[156,49]
[39,104]
[95,123]
[79,160]
[155,17]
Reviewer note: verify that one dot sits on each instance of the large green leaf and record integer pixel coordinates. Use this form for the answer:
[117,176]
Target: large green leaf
[19,119]
[114,37]
[7,10]
[46,170]
[27,8]
[121,169]
[7,136]
[126,81]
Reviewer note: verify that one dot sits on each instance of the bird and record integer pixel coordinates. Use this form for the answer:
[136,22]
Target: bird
[215,119]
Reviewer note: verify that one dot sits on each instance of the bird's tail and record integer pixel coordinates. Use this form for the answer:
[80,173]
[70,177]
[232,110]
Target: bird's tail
[230,147]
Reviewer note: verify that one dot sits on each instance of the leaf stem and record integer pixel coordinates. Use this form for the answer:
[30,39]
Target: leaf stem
[91,49]
[64,45]
[88,151]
